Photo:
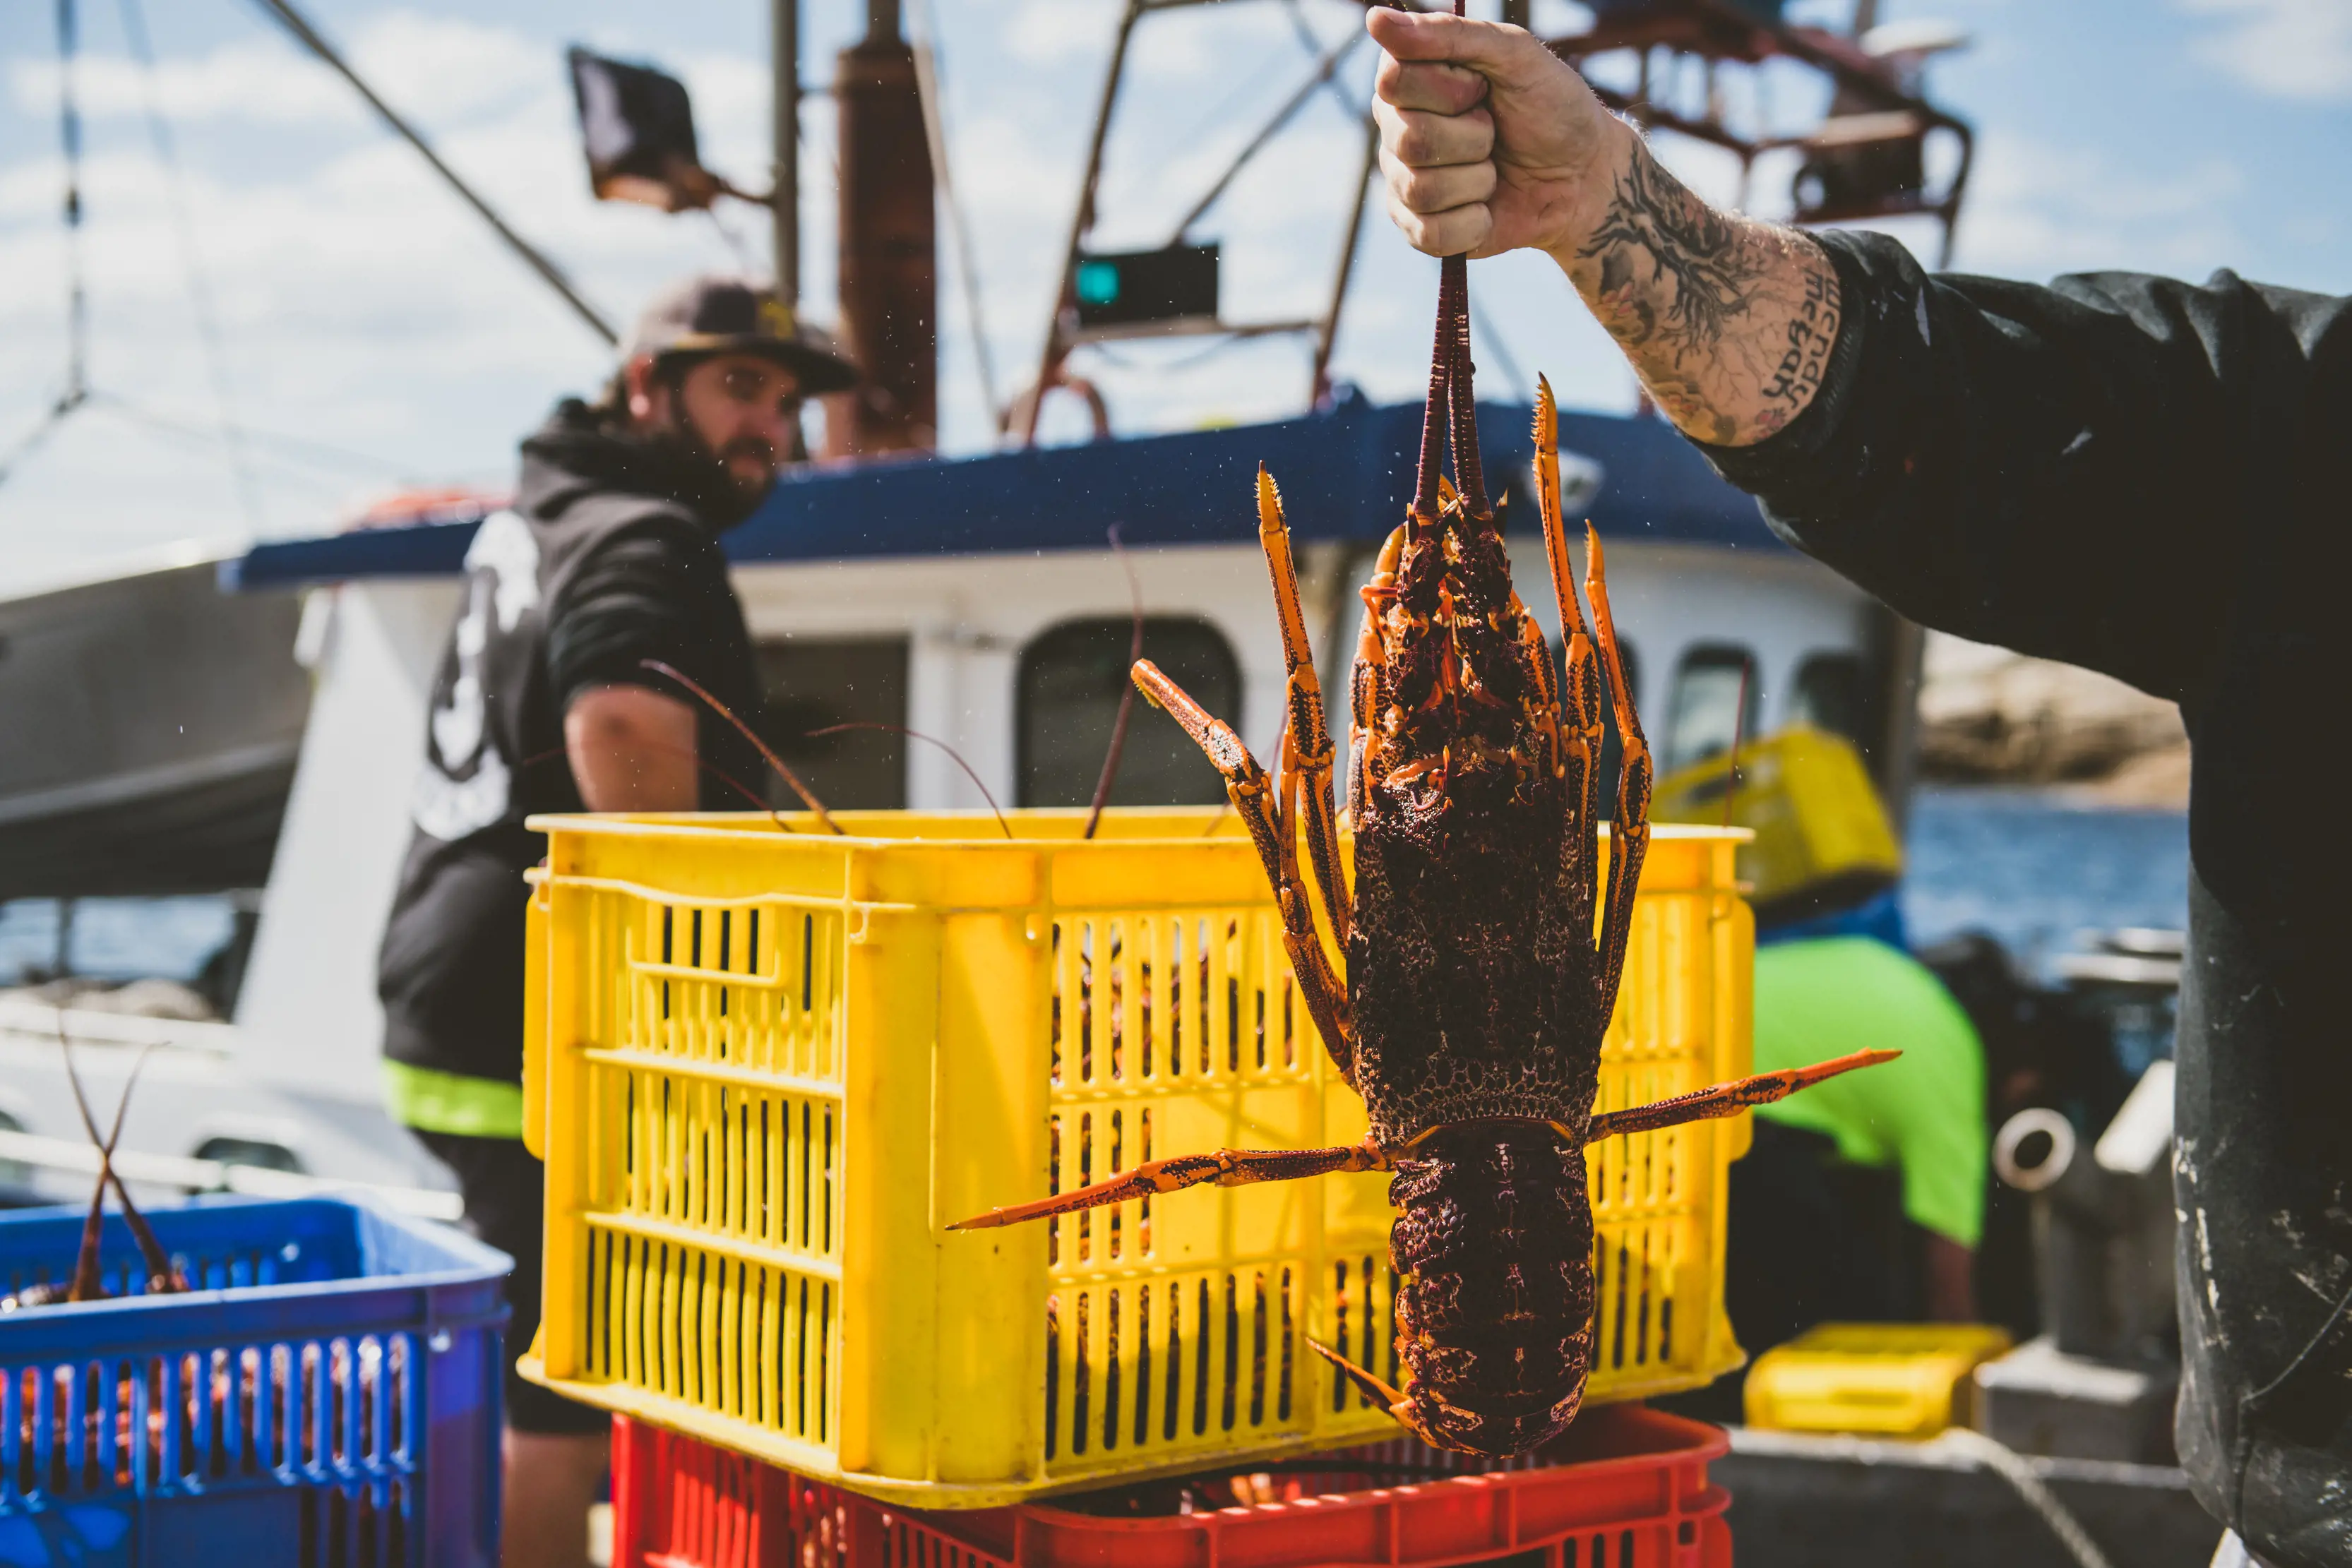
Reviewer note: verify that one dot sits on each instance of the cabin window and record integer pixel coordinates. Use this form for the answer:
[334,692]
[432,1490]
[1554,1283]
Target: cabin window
[1072,678]
[1704,716]
[255,1152]
[812,683]
[1613,753]
[1829,694]
[15,1177]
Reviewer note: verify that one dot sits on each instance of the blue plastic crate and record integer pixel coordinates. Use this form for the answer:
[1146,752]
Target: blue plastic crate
[329,1395]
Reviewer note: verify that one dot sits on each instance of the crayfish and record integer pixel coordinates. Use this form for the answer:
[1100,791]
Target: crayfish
[1483,940]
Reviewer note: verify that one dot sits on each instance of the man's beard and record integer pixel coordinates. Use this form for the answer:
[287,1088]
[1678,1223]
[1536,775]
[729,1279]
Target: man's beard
[687,442]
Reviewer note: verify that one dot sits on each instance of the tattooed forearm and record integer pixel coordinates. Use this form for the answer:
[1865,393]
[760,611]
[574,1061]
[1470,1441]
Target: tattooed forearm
[1729,322]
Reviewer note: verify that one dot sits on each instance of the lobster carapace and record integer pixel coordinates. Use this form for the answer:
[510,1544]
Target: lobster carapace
[1483,940]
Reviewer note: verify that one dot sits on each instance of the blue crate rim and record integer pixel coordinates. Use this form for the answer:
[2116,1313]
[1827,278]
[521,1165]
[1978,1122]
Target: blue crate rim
[467,1262]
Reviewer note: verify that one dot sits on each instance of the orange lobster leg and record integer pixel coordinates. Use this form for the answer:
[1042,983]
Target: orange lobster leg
[1307,739]
[1226,1167]
[1728,1099]
[1273,830]
[1629,828]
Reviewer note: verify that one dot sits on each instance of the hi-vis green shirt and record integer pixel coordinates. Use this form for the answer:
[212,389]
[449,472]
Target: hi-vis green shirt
[1924,1113]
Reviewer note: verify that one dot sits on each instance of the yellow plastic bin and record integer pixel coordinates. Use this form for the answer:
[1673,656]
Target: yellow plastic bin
[767,1069]
[1885,1380]
[1808,798]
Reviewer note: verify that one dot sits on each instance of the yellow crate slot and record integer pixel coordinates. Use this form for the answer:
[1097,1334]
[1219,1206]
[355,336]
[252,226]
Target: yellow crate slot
[772,1067]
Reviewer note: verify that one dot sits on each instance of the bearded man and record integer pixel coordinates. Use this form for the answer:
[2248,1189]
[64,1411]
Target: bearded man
[608,557]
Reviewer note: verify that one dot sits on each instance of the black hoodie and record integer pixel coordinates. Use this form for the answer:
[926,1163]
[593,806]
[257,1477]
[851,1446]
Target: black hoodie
[609,555]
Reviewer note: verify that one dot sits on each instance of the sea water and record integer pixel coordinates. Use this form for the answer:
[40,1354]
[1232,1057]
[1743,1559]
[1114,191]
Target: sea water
[2039,870]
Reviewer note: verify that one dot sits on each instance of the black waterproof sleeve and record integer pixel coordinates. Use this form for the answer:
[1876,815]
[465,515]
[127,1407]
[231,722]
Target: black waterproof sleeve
[2071,471]
[2151,480]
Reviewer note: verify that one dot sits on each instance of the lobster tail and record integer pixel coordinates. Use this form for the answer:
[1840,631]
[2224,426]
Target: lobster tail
[1493,1248]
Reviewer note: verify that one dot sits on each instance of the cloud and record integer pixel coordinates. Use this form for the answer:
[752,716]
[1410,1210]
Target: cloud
[258,80]
[1059,32]
[2035,209]
[2285,48]
[362,305]
[432,68]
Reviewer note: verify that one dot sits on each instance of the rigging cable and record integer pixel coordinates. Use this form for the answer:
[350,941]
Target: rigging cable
[285,15]
[200,298]
[927,86]
[1324,65]
[1313,43]
[300,452]
[77,385]
[76,299]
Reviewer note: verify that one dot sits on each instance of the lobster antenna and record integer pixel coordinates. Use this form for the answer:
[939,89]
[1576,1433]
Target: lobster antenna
[953,755]
[87,1282]
[151,1249]
[1424,491]
[1469,470]
[696,757]
[808,798]
[1126,695]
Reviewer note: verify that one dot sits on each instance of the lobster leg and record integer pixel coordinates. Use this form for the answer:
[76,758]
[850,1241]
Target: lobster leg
[1629,830]
[1390,1399]
[1273,830]
[1581,694]
[1226,1167]
[1367,1384]
[1728,1099]
[1307,739]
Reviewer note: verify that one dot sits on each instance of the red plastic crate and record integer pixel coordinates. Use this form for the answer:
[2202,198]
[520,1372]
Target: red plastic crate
[1627,1488]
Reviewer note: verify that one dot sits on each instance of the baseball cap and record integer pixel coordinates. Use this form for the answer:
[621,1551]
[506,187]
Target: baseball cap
[716,314]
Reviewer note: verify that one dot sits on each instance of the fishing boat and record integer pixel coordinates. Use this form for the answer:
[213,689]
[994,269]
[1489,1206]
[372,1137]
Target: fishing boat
[977,600]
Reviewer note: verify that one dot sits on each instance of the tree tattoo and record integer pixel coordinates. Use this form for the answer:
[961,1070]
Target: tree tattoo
[1729,321]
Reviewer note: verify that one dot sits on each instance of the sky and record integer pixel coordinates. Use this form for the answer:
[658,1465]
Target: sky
[367,333]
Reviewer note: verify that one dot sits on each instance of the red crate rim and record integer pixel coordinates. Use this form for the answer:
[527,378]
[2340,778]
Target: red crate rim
[1606,1453]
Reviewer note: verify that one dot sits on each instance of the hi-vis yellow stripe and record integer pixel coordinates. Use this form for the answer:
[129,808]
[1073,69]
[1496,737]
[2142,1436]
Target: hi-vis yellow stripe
[434,1102]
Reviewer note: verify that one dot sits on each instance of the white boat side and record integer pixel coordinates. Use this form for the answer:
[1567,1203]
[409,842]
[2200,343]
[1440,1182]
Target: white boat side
[298,1068]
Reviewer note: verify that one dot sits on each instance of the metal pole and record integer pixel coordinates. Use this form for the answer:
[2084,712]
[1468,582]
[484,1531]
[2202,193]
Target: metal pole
[785,17]
[1083,219]
[1319,385]
[283,12]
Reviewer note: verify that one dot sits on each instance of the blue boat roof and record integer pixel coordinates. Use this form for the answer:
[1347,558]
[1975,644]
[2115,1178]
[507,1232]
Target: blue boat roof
[1345,474]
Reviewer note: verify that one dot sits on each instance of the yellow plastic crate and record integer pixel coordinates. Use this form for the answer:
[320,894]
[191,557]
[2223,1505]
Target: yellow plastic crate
[1888,1380]
[766,1070]
[1808,798]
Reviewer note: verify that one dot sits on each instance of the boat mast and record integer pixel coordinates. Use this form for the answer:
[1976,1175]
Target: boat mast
[888,279]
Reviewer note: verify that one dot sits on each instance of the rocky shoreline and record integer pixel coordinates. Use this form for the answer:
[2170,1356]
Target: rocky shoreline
[1990,717]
